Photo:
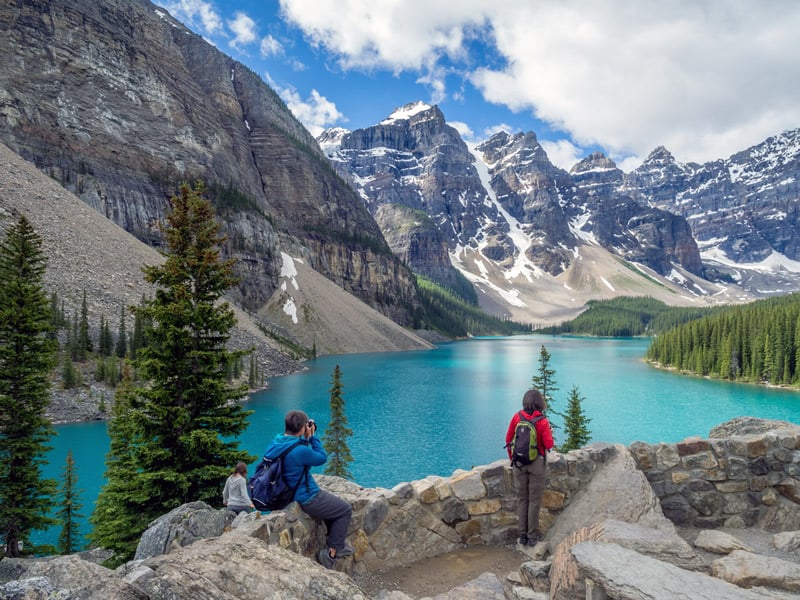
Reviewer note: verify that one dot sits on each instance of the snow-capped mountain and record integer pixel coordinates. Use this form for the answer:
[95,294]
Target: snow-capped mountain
[417,178]
[535,241]
[743,211]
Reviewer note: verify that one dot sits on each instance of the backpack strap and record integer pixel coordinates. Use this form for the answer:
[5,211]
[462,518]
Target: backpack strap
[306,468]
[283,452]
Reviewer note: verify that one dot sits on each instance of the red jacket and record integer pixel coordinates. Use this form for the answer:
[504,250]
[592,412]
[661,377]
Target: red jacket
[544,435]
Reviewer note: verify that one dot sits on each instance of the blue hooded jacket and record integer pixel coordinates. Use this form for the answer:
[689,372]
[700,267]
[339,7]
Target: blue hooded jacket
[309,453]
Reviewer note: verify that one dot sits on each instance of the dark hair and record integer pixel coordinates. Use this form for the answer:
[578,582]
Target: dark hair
[533,400]
[241,469]
[295,421]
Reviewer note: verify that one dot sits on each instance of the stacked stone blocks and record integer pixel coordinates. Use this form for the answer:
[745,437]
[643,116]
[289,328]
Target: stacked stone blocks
[732,482]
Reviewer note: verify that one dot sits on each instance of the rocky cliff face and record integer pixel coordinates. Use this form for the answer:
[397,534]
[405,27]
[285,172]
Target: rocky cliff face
[633,230]
[741,209]
[413,158]
[413,169]
[120,102]
[698,227]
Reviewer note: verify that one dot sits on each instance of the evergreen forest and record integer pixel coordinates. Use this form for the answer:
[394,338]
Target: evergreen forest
[447,312]
[758,342]
[627,316]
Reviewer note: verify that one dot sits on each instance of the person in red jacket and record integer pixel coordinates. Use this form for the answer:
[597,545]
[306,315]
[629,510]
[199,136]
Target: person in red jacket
[531,479]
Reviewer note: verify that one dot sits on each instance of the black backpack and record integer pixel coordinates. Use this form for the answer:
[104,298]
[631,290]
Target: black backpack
[525,446]
[268,488]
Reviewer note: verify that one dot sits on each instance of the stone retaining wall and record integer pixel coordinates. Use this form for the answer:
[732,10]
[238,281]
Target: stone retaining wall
[431,516]
[739,481]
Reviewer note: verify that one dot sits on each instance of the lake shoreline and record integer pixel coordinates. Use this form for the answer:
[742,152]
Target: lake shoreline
[764,384]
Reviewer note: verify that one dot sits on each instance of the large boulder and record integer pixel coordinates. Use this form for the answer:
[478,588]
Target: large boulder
[610,570]
[663,544]
[747,426]
[747,569]
[68,577]
[235,567]
[719,542]
[181,527]
[617,491]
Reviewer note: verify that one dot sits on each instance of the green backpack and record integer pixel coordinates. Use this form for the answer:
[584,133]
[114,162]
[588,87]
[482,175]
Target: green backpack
[525,446]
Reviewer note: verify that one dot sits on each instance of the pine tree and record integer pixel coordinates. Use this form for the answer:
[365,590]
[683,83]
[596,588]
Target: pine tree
[185,418]
[69,374]
[335,436]
[68,514]
[56,313]
[84,341]
[116,520]
[138,334]
[544,380]
[252,377]
[122,339]
[27,356]
[106,343]
[576,423]
[72,338]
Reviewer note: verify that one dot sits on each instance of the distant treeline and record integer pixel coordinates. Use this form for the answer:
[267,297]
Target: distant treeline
[627,317]
[448,313]
[758,342]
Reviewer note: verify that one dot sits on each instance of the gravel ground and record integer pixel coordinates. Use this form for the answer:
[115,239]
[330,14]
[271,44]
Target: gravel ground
[443,573]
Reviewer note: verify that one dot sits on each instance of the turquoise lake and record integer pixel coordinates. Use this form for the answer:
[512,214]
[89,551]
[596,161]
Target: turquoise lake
[431,412]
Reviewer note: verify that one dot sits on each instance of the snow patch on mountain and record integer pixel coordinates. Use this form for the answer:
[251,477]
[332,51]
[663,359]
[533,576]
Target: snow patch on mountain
[608,285]
[521,240]
[576,227]
[406,112]
[774,263]
[289,273]
[331,140]
[510,296]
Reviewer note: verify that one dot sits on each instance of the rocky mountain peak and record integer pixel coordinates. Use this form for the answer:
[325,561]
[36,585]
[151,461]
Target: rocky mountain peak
[596,161]
[522,148]
[414,159]
[659,156]
[412,111]
[330,140]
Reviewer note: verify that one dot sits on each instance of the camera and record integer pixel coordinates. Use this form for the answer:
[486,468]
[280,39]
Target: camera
[312,423]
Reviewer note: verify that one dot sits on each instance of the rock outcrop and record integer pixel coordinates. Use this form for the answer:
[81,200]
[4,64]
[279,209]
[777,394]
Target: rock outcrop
[621,546]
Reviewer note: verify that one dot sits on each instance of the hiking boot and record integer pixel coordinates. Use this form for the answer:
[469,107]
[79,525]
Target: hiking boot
[536,537]
[325,559]
[523,539]
[347,550]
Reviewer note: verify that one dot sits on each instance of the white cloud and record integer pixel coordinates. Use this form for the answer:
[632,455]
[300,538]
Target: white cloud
[195,13]
[562,153]
[316,113]
[703,78]
[464,130]
[490,131]
[244,30]
[385,33]
[435,79]
[271,47]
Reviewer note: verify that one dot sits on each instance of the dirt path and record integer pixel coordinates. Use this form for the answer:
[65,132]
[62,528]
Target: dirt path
[443,573]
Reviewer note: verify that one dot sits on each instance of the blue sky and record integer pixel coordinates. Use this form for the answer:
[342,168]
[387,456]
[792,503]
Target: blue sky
[705,78]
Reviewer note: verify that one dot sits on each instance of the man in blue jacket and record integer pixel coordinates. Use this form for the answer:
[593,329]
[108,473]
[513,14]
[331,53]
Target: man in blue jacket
[319,504]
